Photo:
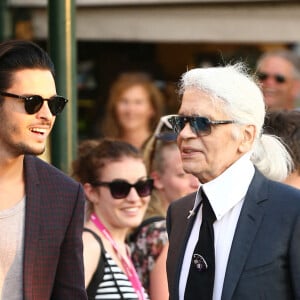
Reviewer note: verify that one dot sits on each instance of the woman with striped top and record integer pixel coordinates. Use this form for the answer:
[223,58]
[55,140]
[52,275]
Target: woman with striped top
[117,189]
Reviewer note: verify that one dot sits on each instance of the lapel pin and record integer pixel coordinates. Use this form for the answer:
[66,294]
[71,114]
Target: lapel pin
[199,262]
[191,213]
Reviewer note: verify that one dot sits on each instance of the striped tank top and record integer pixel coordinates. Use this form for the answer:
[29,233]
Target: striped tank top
[109,281]
[115,284]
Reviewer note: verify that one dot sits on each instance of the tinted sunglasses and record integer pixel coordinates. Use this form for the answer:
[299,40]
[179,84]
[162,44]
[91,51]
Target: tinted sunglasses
[199,125]
[120,189]
[34,103]
[167,136]
[163,123]
[164,130]
[278,78]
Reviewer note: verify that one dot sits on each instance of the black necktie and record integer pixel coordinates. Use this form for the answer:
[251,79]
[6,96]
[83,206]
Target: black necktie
[201,276]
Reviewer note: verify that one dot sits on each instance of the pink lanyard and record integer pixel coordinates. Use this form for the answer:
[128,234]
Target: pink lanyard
[129,268]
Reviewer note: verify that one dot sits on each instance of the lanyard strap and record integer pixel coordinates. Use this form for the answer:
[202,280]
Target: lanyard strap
[129,268]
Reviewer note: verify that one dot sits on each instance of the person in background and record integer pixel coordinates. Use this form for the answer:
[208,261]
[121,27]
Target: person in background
[279,75]
[238,236]
[286,125]
[149,242]
[41,209]
[118,191]
[133,110]
[163,161]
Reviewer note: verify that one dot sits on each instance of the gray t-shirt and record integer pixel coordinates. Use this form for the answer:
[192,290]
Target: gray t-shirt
[11,251]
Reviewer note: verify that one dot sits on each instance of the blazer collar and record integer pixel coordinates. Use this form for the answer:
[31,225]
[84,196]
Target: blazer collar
[186,220]
[32,221]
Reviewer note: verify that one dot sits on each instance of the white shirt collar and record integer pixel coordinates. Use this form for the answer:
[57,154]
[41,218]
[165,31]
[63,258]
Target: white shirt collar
[226,190]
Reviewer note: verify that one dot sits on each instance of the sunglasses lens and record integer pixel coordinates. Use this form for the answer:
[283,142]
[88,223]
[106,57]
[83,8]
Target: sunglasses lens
[119,189]
[177,123]
[167,136]
[56,104]
[33,104]
[262,76]
[280,78]
[144,188]
[200,125]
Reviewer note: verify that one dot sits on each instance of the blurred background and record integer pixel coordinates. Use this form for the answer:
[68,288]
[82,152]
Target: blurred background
[161,37]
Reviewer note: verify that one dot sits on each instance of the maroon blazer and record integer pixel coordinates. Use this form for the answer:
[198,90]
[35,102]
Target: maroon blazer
[53,262]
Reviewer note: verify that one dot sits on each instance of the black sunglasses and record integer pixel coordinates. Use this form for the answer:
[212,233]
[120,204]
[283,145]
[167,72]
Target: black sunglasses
[264,76]
[34,103]
[120,189]
[199,125]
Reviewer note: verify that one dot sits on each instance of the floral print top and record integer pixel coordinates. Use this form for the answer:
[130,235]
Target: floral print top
[146,245]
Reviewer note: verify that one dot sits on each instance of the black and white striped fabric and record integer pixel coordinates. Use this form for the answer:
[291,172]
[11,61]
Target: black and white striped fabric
[115,284]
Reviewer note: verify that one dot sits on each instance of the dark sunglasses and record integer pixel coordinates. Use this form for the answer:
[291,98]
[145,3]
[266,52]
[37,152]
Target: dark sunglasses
[264,76]
[199,125]
[34,103]
[167,136]
[120,189]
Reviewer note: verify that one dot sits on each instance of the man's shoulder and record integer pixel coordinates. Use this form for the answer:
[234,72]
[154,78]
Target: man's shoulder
[43,170]
[184,203]
[186,199]
[284,192]
[280,196]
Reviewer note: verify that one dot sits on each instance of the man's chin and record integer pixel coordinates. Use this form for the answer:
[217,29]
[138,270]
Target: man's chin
[36,152]
[190,169]
[271,104]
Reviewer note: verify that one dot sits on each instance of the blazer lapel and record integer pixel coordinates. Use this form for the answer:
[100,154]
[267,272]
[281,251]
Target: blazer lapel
[32,224]
[179,237]
[186,235]
[247,226]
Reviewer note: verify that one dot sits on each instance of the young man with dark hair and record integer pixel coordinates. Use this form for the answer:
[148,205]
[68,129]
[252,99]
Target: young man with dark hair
[41,209]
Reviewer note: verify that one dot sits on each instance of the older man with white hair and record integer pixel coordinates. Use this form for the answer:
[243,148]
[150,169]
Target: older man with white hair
[238,237]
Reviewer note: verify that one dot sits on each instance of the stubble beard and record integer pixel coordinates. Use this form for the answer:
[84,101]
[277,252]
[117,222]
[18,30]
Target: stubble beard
[8,130]
[23,149]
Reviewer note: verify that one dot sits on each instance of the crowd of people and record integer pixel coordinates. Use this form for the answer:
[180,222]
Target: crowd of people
[200,204]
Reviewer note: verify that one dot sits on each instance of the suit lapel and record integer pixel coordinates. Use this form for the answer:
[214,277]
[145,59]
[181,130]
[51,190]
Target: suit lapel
[180,232]
[247,226]
[32,224]
[186,235]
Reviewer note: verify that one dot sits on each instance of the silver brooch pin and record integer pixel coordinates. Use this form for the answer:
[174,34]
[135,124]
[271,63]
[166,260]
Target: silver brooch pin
[191,213]
[199,262]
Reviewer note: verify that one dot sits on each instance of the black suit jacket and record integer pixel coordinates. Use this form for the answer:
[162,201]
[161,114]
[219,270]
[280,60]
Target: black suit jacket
[264,261]
[53,263]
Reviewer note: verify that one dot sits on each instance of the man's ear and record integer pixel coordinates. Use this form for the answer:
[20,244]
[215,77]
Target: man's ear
[248,135]
[157,180]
